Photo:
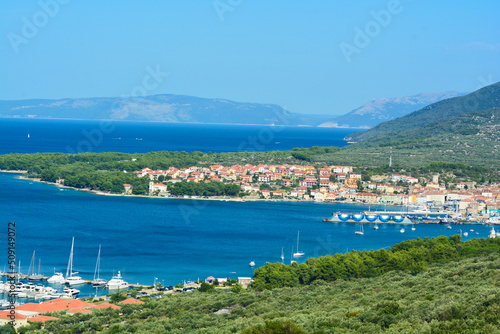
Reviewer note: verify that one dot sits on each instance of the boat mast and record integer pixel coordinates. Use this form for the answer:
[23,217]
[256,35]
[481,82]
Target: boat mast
[69,270]
[32,265]
[298,241]
[98,264]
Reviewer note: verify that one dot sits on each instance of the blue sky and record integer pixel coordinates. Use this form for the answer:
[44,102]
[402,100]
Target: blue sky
[317,57]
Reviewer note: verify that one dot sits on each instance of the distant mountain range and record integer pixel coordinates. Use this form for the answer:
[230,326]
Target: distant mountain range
[386,109]
[189,109]
[159,108]
[485,98]
[463,129]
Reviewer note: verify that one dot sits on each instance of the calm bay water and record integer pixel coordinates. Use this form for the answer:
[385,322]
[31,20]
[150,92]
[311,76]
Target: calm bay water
[176,240]
[172,240]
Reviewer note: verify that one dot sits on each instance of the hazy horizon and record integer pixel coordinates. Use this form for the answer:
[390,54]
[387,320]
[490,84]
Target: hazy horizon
[315,58]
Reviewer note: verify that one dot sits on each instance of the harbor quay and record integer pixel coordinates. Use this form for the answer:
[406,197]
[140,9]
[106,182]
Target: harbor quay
[412,217]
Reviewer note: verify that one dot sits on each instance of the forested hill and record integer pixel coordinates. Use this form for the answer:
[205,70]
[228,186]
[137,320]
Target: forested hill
[483,126]
[485,98]
[471,138]
[383,291]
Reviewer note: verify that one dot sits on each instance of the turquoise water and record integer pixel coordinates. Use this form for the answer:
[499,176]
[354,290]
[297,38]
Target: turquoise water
[176,240]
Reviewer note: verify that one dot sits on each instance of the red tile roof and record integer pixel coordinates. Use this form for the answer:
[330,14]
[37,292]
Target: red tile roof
[53,305]
[105,305]
[6,315]
[41,318]
[131,301]
[79,310]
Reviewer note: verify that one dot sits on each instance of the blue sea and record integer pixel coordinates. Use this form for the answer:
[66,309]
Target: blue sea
[172,240]
[176,240]
[72,136]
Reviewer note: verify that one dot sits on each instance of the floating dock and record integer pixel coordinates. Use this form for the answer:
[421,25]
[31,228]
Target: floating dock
[371,217]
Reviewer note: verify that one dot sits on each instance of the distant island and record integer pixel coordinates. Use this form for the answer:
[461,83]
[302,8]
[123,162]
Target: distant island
[190,109]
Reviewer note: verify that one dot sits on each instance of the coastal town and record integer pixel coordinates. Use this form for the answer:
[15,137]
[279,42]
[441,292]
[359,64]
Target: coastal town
[330,184]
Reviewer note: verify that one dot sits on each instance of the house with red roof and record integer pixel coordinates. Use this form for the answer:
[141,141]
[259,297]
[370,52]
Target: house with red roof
[41,318]
[54,305]
[105,305]
[16,319]
[131,301]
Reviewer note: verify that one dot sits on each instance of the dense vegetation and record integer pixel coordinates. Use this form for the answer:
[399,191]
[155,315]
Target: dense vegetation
[449,172]
[105,171]
[204,189]
[485,98]
[449,296]
[412,255]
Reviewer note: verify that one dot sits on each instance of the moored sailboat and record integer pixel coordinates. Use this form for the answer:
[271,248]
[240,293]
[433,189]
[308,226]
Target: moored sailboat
[98,282]
[33,276]
[71,279]
[360,231]
[298,253]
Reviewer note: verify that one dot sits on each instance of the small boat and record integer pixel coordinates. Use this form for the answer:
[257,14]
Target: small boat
[116,282]
[252,264]
[282,256]
[375,227]
[291,258]
[466,234]
[298,253]
[471,230]
[360,232]
[98,282]
[402,230]
[448,227]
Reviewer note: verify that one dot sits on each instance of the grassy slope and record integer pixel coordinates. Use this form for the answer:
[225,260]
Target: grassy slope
[472,138]
[459,296]
[482,99]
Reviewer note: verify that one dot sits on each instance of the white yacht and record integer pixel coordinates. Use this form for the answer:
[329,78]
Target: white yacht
[117,283]
[493,234]
[402,230]
[57,278]
[252,264]
[74,280]
[70,292]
